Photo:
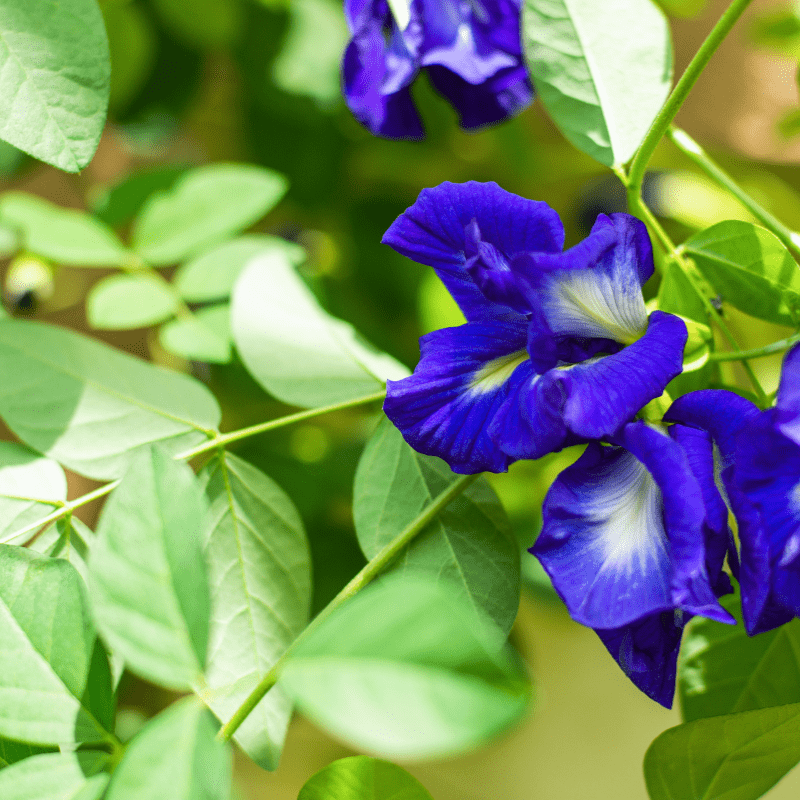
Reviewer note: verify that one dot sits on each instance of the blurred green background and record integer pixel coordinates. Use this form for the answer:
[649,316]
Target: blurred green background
[196,81]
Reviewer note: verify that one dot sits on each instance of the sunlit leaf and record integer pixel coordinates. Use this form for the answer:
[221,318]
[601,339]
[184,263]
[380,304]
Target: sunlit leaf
[70,539]
[601,83]
[405,670]
[469,543]
[205,206]
[293,348]
[204,336]
[260,574]
[130,301]
[147,574]
[56,776]
[55,79]
[87,405]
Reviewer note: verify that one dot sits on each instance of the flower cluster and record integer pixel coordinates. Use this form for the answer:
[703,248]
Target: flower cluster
[559,349]
[470,49]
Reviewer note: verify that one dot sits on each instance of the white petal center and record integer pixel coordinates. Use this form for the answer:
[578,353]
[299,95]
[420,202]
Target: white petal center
[495,373]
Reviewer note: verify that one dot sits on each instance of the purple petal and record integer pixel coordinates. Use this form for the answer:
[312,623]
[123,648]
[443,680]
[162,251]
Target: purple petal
[647,652]
[464,376]
[788,399]
[433,232]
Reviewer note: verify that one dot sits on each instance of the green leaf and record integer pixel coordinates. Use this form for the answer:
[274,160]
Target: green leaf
[63,235]
[11,752]
[69,539]
[723,670]
[147,574]
[736,756]
[600,81]
[204,336]
[363,778]
[30,488]
[469,543]
[175,756]
[56,776]
[55,79]
[212,274]
[293,348]
[46,647]
[750,268]
[260,575]
[205,206]
[202,23]
[87,405]
[404,671]
[130,301]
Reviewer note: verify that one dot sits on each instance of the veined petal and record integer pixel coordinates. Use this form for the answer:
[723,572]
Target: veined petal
[647,652]
[597,397]
[603,542]
[433,232]
[464,376]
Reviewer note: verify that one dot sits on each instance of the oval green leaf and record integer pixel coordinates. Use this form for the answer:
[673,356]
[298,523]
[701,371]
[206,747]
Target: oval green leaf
[260,574]
[203,336]
[175,756]
[602,82]
[293,348]
[205,206]
[147,573]
[750,269]
[70,539]
[56,776]
[46,651]
[735,756]
[63,235]
[405,670]
[122,302]
[469,543]
[363,778]
[55,79]
[88,406]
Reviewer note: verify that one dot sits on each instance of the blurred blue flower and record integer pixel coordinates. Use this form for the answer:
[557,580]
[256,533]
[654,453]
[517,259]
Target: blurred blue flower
[557,348]
[471,50]
[634,540]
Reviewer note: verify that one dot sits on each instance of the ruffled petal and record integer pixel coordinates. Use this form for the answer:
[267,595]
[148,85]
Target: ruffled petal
[597,397]
[433,232]
[464,376]
[647,652]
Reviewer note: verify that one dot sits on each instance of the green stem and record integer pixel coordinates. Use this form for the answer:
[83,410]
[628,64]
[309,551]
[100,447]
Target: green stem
[680,93]
[698,156]
[367,574]
[757,352]
[221,439]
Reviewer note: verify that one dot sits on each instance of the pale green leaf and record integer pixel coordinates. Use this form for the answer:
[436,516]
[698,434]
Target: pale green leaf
[469,543]
[130,301]
[147,574]
[88,406]
[56,776]
[404,670]
[63,235]
[46,648]
[363,778]
[735,756]
[30,488]
[293,348]
[54,79]
[204,336]
[601,81]
[212,274]
[175,756]
[260,575]
[70,539]
[204,206]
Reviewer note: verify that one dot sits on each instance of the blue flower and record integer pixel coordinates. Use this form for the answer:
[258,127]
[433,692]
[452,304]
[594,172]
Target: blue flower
[557,348]
[759,454]
[634,540]
[470,48]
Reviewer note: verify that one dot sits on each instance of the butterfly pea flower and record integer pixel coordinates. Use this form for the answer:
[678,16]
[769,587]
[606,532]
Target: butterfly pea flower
[634,539]
[471,50]
[759,455]
[558,347]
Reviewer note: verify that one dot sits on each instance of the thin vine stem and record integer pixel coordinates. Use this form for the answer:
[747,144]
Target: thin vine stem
[679,95]
[367,574]
[757,352]
[690,148]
